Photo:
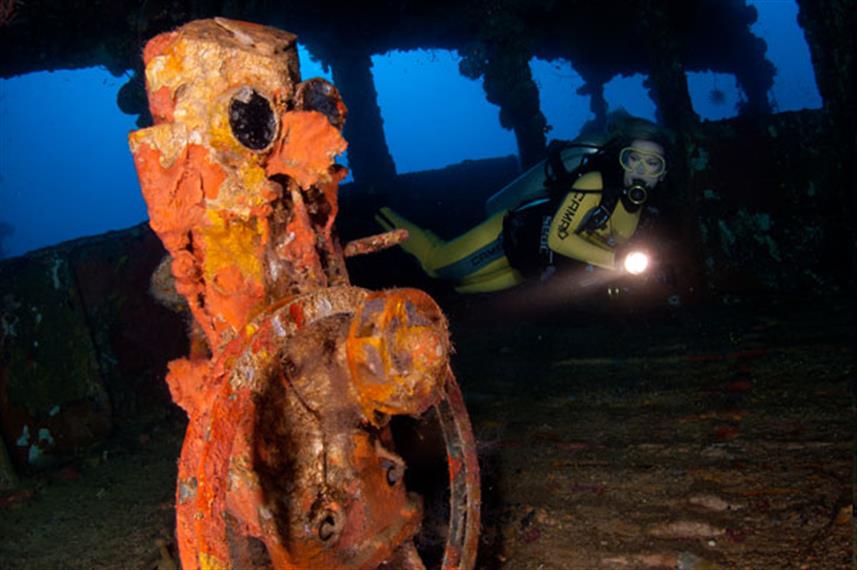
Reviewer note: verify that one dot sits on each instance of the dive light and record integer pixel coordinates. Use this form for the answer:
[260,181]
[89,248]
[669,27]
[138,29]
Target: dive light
[636,262]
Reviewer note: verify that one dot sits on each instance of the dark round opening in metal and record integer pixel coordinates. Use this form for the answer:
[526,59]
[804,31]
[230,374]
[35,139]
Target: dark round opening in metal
[252,119]
[395,473]
[328,527]
[319,95]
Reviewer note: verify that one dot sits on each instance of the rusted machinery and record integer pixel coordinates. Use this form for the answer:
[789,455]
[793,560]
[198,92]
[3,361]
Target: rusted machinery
[294,376]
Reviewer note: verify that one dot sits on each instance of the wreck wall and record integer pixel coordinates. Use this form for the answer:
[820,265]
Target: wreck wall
[83,347]
[773,217]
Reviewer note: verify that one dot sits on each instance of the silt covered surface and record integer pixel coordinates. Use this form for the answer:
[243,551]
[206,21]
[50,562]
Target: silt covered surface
[690,438]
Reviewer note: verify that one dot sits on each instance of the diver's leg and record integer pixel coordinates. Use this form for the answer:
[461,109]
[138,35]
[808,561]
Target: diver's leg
[454,260]
[472,251]
[499,279]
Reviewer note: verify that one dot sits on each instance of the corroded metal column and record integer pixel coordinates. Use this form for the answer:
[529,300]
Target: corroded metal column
[508,82]
[667,85]
[667,82]
[369,156]
[289,459]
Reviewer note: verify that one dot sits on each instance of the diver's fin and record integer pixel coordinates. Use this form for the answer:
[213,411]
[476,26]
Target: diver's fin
[383,221]
[420,242]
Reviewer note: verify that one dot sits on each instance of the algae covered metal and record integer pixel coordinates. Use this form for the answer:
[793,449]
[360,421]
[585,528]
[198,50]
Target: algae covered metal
[293,375]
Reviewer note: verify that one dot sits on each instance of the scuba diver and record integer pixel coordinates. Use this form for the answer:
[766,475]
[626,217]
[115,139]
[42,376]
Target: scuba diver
[583,202]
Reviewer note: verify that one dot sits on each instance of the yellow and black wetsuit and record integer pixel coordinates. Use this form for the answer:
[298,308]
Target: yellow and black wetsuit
[509,245]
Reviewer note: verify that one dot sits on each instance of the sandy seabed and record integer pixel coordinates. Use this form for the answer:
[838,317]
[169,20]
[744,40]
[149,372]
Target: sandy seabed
[695,439]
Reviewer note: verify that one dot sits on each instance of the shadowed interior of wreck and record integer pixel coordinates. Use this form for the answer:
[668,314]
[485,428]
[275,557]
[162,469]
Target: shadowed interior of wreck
[702,418]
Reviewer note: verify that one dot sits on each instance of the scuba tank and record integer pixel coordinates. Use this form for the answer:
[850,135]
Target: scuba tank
[531,184]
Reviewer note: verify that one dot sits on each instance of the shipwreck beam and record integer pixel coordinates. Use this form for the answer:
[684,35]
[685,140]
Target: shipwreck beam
[829,29]
[504,67]
[667,84]
[368,154]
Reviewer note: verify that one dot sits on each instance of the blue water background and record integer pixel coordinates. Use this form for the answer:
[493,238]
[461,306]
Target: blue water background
[66,172]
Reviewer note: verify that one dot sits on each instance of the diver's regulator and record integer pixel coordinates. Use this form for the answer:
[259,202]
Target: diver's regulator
[636,193]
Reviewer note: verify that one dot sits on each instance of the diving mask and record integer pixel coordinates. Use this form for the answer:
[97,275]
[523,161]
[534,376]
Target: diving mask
[642,162]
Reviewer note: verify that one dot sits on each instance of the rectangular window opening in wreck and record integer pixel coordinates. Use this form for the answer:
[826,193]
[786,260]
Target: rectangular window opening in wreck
[714,96]
[794,84]
[67,194]
[65,169]
[629,93]
[563,107]
[434,116]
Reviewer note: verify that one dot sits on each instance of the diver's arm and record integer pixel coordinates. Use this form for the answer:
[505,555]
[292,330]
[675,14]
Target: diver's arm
[576,247]
[564,238]
[623,223]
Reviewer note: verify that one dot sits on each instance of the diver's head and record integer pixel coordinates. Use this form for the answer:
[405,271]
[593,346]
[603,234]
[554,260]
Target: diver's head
[644,163]
[643,148]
